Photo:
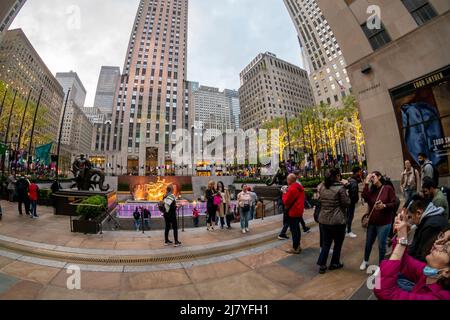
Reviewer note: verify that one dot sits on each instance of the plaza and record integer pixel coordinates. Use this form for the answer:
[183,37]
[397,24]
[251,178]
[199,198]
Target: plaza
[220,265]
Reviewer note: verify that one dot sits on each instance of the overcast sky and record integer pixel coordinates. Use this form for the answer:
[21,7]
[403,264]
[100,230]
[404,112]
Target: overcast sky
[224,36]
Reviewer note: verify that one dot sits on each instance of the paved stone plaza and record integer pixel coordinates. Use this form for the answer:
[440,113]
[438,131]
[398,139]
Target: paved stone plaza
[250,266]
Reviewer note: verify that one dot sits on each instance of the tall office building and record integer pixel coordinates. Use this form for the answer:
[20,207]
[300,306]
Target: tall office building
[8,11]
[271,88]
[151,102]
[212,112]
[22,69]
[400,72]
[326,63]
[77,129]
[108,83]
[235,109]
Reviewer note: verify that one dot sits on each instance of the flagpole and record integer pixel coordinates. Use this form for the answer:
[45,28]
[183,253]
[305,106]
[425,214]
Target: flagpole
[32,129]
[60,136]
[23,119]
[7,130]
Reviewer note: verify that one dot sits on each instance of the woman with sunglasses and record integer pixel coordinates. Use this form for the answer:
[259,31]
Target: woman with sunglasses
[431,278]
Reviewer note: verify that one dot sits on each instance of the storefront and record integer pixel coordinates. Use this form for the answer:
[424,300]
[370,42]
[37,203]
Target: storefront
[422,109]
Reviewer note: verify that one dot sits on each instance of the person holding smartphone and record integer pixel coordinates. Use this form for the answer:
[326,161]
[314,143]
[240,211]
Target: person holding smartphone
[382,202]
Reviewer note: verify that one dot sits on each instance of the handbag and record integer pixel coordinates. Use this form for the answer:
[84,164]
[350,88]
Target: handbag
[366,218]
[317,212]
[217,200]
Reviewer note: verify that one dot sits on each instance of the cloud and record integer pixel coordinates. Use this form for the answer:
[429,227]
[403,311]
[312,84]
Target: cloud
[224,36]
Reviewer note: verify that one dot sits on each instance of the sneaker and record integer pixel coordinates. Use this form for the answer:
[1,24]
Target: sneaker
[229,228]
[323,269]
[168,243]
[247,229]
[336,266]
[364,265]
[177,244]
[244,231]
[283,237]
[351,235]
[307,230]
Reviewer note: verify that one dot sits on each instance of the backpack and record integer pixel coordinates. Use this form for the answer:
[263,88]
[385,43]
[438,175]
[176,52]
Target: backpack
[435,174]
[162,207]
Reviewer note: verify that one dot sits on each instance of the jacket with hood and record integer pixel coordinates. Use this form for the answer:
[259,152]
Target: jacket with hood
[412,269]
[427,170]
[431,224]
[294,200]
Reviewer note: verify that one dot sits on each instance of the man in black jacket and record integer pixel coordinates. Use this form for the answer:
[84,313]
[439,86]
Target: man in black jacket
[430,221]
[22,194]
[353,192]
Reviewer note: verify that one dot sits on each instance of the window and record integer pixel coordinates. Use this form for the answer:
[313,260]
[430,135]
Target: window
[420,10]
[377,37]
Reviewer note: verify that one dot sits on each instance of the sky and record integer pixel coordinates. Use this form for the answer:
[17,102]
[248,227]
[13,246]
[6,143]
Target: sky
[223,37]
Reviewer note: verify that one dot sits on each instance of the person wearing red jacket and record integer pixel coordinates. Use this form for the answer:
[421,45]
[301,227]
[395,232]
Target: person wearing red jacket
[294,202]
[33,194]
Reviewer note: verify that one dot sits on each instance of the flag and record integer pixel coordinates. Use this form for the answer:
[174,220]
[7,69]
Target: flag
[3,149]
[43,153]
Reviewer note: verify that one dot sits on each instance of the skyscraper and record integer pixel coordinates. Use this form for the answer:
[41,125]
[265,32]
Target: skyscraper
[235,109]
[151,101]
[272,88]
[8,11]
[326,64]
[108,82]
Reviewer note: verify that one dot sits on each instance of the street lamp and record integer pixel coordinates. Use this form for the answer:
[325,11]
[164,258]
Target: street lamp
[60,136]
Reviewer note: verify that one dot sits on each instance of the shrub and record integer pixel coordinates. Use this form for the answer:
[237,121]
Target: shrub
[92,207]
[45,194]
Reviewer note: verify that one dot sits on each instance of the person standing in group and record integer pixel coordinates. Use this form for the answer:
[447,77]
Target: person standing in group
[210,205]
[12,186]
[431,191]
[170,217]
[382,202]
[294,203]
[410,181]
[22,195]
[137,219]
[147,216]
[244,203]
[353,192]
[33,194]
[427,168]
[254,200]
[334,202]
[224,205]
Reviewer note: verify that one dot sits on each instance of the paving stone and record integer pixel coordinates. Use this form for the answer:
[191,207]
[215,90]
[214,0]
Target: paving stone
[155,280]
[6,282]
[23,290]
[31,272]
[216,270]
[188,292]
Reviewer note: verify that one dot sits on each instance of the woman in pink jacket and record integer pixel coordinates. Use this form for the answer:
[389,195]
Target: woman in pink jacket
[432,278]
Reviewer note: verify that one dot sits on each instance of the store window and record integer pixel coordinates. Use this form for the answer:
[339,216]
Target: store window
[422,109]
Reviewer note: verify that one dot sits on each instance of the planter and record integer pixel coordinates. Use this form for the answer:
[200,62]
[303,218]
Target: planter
[80,225]
[45,202]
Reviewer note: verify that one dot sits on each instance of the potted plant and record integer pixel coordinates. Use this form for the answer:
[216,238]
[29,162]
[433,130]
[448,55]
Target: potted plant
[91,212]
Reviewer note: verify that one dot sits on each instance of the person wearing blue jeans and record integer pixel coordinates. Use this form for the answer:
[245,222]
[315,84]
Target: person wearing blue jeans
[245,203]
[374,232]
[245,217]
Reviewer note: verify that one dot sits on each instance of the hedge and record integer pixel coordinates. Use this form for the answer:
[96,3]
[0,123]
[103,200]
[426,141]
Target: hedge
[96,206]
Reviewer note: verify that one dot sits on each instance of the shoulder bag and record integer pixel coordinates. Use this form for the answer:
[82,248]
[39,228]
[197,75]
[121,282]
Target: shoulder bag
[366,218]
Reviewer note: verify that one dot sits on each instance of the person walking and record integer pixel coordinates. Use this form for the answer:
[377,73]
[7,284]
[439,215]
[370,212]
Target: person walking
[302,221]
[410,181]
[33,194]
[170,217]
[211,206]
[334,202]
[294,203]
[382,202]
[224,207]
[353,192]
[12,186]
[244,203]
[254,201]
[22,195]
[147,216]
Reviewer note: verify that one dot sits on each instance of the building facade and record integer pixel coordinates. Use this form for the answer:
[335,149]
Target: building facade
[272,88]
[327,66]
[8,11]
[212,112]
[400,70]
[22,69]
[235,107]
[108,83]
[77,129]
[151,100]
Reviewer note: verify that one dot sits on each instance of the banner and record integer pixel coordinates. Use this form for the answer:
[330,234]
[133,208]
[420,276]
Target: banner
[43,154]
[3,149]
